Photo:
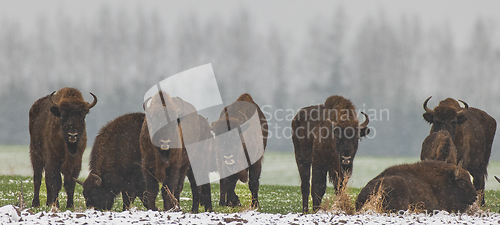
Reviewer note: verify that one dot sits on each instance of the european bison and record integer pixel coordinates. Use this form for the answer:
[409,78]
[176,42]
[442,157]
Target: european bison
[327,137]
[240,115]
[115,164]
[173,124]
[439,146]
[58,139]
[472,131]
[425,185]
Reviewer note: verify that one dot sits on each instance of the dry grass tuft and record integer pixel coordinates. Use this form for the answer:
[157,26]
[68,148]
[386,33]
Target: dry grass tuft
[375,202]
[342,202]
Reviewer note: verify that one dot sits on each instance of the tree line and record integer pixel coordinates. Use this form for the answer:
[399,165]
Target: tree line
[381,65]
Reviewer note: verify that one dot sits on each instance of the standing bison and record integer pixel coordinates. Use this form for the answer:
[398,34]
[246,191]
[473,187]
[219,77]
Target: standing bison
[472,131]
[58,139]
[439,146]
[174,124]
[425,185]
[235,116]
[115,164]
[326,137]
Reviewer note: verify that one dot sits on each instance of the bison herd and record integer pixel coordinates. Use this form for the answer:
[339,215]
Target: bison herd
[132,158]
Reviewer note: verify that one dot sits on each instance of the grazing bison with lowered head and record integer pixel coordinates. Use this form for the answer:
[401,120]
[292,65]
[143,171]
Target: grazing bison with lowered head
[439,146]
[326,137]
[58,139]
[425,185]
[472,131]
[245,117]
[174,124]
[115,164]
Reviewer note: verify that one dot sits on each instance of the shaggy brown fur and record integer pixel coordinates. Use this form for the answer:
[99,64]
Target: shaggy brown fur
[58,139]
[231,117]
[429,185]
[115,164]
[326,139]
[472,132]
[164,156]
[439,146]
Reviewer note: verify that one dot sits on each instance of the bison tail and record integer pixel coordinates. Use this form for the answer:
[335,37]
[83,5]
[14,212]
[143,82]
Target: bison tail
[243,175]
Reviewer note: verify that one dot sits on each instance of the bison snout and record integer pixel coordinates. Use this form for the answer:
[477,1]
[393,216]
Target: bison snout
[346,160]
[72,137]
[165,145]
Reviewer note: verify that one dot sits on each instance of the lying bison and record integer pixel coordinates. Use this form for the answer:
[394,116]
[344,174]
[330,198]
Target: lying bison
[439,146]
[115,164]
[326,137]
[240,113]
[472,131]
[425,185]
[58,139]
[174,124]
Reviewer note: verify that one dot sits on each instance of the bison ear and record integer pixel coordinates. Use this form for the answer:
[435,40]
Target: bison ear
[97,179]
[364,131]
[54,110]
[461,119]
[428,117]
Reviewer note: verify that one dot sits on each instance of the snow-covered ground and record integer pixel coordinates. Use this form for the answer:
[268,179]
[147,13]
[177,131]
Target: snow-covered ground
[11,214]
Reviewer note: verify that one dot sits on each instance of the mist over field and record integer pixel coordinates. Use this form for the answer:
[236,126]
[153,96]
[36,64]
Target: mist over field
[386,65]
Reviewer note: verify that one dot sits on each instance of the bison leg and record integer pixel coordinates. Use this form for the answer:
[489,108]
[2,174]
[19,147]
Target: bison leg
[206,197]
[195,191]
[128,197]
[69,186]
[253,183]
[223,192]
[318,186]
[37,182]
[151,190]
[305,176]
[53,183]
[232,199]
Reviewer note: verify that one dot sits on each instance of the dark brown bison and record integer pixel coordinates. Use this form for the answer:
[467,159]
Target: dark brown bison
[472,131]
[326,137]
[174,125]
[439,146]
[425,185]
[115,164]
[240,115]
[58,139]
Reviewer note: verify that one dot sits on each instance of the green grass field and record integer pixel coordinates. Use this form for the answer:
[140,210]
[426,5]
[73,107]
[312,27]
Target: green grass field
[279,190]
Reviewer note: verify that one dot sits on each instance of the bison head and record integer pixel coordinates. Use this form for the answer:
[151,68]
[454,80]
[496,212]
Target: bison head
[459,192]
[446,116]
[347,135]
[168,118]
[96,194]
[72,114]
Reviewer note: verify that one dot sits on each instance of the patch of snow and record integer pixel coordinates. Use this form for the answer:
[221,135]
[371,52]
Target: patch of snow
[11,214]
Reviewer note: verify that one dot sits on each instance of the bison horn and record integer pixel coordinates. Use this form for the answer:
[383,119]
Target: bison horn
[146,103]
[98,181]
[457,171]
[246,118]
[365,123]
[93,102]
[427,108]
[50,99]
[78,181]
[498,179]
[466,107]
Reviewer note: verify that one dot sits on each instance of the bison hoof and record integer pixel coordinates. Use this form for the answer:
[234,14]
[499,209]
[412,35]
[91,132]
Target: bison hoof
[35,203]
[255,204]
[234,203]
